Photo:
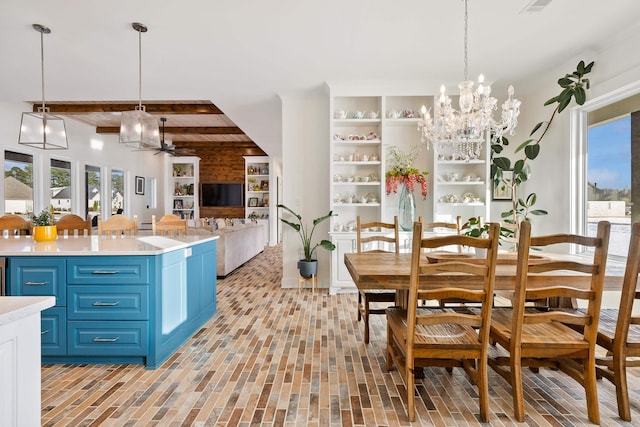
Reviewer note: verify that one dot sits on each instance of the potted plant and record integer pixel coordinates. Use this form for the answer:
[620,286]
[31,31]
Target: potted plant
[574,86]
[44,228]
[474,227]
[307,265]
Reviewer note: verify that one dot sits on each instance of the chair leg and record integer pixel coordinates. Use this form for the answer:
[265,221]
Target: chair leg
[516,388]
[483,390]
[389,345]
[591,389]
[359,306]
[411,398]
[366,320]
[622,393]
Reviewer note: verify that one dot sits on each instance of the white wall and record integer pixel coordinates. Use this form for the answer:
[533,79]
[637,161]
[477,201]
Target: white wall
[305,175]
[615,67]
[80,153]
[305,127]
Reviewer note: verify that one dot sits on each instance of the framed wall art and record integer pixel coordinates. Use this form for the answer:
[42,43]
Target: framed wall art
[139,185]
[501,191]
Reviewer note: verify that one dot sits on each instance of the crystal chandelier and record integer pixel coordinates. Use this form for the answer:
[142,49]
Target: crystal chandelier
[139,129]
[459,135]
[42,129]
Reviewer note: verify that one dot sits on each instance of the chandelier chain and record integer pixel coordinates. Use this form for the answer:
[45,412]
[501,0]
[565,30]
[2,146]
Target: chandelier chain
[466,39]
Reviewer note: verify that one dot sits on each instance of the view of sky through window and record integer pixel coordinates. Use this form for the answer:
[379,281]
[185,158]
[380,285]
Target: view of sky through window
[609,163]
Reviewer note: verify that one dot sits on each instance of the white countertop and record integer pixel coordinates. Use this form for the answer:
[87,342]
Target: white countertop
[96,245]
[16,308]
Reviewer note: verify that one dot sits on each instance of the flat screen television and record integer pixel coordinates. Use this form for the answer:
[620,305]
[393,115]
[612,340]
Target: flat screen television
[222,194]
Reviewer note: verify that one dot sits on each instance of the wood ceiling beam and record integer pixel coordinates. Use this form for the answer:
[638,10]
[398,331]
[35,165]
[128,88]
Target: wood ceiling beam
[117,107]
[183,130]
[215,144]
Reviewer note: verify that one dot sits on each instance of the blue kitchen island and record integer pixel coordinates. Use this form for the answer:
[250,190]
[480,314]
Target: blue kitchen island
[118,299]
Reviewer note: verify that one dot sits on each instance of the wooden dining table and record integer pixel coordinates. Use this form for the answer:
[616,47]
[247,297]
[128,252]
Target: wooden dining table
[391,271]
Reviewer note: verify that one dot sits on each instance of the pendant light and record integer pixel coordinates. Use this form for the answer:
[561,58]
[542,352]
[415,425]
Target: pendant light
[139,129]
[42,129]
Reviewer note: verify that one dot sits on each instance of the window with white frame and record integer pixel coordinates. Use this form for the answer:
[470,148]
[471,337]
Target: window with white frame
[93,189]
[18,183]
[60,187]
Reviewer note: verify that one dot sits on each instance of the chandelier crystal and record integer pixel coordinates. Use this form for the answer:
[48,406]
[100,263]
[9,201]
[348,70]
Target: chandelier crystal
[139,129]
[42,129]
[460,134]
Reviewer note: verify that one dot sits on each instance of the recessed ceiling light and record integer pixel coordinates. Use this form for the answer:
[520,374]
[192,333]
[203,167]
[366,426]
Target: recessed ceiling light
[535,6]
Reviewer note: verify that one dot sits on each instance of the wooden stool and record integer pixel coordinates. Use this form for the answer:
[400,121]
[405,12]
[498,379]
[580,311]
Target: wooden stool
[313,279]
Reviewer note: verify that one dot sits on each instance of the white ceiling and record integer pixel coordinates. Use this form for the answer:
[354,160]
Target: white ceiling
[241,54]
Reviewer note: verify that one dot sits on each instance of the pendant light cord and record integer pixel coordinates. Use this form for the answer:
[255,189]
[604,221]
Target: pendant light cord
[42,66]
[140,69]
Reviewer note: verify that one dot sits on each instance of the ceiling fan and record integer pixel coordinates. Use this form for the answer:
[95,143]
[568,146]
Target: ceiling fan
[168,147]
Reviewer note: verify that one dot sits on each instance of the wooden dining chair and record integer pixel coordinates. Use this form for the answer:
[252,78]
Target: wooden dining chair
[443,226]
[73,225]
[169,225]
[540,337]
[619,330]
[418,337]
[117,225]
[15,225]
[375,243]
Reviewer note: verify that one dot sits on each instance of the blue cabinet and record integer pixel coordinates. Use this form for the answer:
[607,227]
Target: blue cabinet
[53,331]
[119,309]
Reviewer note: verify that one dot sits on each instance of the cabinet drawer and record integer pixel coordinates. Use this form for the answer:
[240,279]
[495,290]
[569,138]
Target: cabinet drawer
[38,276]
[108,302]
[110,338]
[53,331]
[108,270]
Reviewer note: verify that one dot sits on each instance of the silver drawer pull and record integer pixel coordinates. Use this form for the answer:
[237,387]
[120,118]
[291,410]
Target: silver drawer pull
[105,304]
[97,339]
[105,272]
[36,283]
[46,331]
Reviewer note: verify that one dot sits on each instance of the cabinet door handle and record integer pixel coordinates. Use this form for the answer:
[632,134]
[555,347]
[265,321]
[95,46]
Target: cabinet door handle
[105,272]
[46,331]
[36,283]
[98,339]
[105,304]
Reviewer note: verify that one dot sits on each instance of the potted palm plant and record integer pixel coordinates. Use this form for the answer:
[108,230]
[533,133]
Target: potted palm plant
[44,228]
[308,265]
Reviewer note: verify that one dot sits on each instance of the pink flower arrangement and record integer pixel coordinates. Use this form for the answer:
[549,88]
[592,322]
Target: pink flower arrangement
[403,172]
[410,178]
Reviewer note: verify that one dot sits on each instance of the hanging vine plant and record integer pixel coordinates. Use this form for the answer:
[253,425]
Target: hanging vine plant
[574,87]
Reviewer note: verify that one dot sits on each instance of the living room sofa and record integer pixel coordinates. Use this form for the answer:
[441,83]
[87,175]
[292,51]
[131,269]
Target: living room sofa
[237,244]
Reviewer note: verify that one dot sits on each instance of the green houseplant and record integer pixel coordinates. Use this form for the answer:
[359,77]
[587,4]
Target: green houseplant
[44,228]
[474,227]
[307,265]
[574,86]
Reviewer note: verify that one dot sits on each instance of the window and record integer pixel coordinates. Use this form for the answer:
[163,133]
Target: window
[18,183]
[117,191]
[92,190]
[609,180]
[60,187]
